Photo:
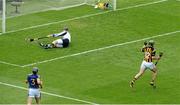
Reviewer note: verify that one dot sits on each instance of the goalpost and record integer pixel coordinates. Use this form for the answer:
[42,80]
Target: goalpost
[3,15]
[114,5]
[12,8]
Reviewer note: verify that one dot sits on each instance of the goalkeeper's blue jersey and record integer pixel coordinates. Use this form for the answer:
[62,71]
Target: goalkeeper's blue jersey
[32,80]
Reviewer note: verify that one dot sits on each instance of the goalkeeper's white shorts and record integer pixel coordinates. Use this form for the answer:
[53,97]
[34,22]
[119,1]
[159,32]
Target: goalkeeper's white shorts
[58,43]
[61,43]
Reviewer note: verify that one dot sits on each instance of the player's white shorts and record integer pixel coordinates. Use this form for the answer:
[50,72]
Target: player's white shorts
[58,43]
[34,93]
[61,43]
[147,65]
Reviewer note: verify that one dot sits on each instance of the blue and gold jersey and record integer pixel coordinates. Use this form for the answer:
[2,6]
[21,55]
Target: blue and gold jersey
[32,80]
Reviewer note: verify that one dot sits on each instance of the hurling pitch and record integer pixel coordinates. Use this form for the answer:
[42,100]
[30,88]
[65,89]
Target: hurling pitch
[101,60]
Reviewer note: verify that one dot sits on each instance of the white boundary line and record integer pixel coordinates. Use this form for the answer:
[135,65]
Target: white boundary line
[55,95]
[16,65]
[102,48]
[90,15]
[94,50]
[50,94]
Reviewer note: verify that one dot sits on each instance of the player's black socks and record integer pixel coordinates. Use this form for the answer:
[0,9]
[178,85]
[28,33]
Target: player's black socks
[132,82]
[153,84]
[134,79]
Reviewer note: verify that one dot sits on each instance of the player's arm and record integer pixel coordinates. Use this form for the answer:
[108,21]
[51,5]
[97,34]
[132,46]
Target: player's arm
[159,56]
[144,46]
[26,81]
[56,35]
[59,34]
[156,57]
[154,52]
[39,82]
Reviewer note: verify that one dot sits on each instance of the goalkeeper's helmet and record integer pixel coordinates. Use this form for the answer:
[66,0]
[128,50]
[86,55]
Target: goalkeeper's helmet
[151,43]
[35,70]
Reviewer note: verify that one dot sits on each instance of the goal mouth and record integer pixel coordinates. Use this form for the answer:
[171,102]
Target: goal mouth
[14,8]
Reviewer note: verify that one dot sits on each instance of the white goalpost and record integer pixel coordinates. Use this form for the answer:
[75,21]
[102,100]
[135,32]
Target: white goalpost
[3,16]
[13,8]
[114,4]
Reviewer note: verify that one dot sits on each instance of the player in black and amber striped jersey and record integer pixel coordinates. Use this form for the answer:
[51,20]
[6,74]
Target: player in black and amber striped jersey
[149,55]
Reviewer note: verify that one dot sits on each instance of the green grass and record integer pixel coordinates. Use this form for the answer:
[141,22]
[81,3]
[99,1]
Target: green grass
[30,6]
[47,17]
[101,76]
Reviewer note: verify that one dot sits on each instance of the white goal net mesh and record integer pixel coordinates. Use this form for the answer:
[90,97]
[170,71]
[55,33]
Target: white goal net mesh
[16,8]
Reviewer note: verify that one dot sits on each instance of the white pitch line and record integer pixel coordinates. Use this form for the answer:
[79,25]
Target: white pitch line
[89,51]
[140,5]
[7,63]
[50,94]
[102,48]
[85,16]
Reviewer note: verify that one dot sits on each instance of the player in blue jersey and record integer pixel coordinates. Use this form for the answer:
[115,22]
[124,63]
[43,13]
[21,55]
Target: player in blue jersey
[34,82]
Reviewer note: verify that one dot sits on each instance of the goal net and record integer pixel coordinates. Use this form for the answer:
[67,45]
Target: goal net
[15,8]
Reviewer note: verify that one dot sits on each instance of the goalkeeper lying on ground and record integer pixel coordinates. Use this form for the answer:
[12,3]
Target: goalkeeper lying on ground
[103,5]
[62,42]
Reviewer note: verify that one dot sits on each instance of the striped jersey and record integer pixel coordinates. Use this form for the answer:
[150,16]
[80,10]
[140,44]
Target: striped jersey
[149,52]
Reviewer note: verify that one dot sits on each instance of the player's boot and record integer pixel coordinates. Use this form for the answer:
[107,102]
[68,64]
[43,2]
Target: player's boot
[45,46]
[132,83]
[153,84]
[48,46]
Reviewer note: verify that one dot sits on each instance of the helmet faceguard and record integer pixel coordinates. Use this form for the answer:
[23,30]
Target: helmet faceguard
[35,70]
[151,43]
